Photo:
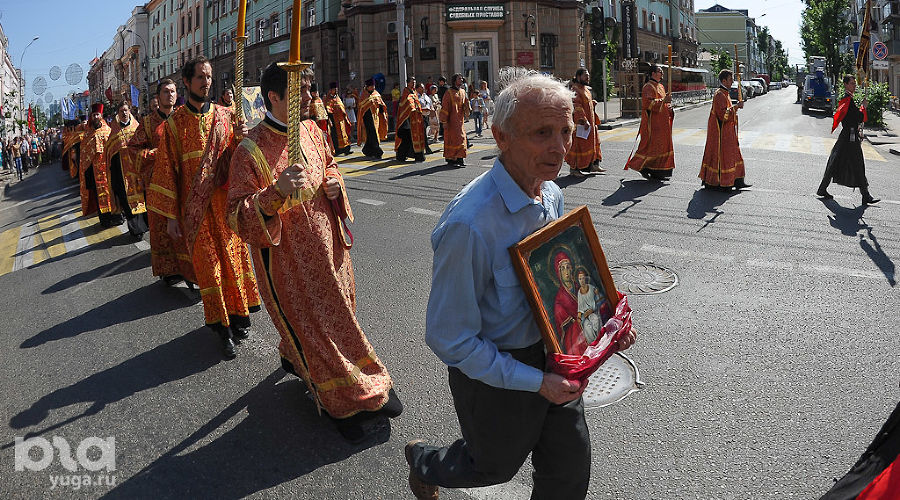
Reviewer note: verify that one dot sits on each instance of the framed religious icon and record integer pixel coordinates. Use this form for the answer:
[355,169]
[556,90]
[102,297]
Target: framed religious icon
[564,274]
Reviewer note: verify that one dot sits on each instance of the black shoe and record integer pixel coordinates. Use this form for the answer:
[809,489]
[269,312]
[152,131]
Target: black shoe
[420,158]
[350,429]
[393,408]
[224,334]
[172,279]
[870,200]
[740,184]
[645,174]
[240,333]
[428,151]
[825,195]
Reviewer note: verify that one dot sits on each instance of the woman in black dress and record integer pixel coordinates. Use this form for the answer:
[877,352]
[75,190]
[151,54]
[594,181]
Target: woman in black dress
[846,165]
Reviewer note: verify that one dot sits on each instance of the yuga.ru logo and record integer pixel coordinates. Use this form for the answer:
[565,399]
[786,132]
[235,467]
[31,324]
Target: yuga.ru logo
[92,454]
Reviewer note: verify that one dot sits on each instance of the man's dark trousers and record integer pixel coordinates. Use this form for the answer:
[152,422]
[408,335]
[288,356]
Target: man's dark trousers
[500,428]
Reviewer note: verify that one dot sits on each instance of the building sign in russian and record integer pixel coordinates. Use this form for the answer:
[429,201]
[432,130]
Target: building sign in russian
[524,58]
[469,12]
[629,31]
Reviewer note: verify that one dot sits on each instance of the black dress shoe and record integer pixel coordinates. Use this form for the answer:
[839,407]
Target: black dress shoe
[224,334]
[645,174]
[825,195]
[240,333]
[172,279]
[870,200]
[740,184]
[393,408]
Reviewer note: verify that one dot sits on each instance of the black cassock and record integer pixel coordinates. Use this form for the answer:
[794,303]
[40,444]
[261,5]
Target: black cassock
[846,165]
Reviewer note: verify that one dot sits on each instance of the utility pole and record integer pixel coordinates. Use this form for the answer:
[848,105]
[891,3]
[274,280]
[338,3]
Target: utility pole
[401,40]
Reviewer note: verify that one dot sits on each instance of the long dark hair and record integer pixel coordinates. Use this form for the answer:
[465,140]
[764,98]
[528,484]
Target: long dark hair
[578,74]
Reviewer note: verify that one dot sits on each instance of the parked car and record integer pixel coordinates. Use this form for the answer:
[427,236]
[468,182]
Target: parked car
[763,86]
[757,87]
[749,92]
[775,86]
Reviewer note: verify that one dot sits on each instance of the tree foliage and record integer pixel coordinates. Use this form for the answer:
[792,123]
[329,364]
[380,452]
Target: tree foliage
[721,60]
[823,25]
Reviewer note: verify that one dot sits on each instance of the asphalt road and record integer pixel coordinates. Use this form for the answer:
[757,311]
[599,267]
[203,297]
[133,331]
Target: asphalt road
[768,369]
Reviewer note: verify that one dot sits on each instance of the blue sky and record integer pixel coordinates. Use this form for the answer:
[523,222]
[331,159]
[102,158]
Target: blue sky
[781,16]
[69,32]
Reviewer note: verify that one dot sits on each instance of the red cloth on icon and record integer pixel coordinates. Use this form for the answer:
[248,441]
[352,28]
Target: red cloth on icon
[581,366]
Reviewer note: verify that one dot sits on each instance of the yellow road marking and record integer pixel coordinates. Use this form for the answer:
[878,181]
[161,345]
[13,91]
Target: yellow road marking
[9,239]
[51,232]
[800,144]
[93,232]
[870,153]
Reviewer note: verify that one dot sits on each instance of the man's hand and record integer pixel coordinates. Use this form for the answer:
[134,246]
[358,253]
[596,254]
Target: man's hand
[740,105]
[332,188]
[174,229]
[243,128]
[626,340]
[668,97]
[290,179]
[558,390]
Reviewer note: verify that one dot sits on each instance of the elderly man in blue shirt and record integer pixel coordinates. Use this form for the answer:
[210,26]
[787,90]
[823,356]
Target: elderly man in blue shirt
[479,322]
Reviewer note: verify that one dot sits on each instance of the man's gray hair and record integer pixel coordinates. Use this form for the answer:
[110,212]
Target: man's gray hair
[516,82]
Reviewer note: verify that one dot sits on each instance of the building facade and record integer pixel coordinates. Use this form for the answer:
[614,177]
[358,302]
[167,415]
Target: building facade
[9,89]
[722,28]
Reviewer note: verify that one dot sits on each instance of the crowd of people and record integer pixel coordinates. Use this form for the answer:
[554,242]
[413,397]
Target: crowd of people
[216,196]
[23,153]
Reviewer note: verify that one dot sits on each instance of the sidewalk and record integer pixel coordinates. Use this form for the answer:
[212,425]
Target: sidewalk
[614,113]
[889,136]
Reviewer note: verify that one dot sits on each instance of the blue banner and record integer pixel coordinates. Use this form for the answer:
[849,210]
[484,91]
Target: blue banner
[134,96]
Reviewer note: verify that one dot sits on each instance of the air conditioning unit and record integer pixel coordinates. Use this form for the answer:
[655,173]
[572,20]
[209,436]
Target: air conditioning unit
[392,27]
[652,17]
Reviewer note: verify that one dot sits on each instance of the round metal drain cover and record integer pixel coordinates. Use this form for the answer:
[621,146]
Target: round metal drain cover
[614,380]
[643,278]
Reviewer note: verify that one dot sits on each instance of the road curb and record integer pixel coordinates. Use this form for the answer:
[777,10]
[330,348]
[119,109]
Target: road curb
[632,121]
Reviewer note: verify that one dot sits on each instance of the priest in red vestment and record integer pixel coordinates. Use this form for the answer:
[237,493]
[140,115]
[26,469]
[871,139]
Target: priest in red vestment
[189,188]
[96,190]
[655,155]
[293,216]
[723,165]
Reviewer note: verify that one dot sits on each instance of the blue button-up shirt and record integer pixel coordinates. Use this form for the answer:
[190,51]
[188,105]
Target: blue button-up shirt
[477,307]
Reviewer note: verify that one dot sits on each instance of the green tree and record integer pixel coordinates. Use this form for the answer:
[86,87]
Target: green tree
[823,24]
[762,41]
[721,59]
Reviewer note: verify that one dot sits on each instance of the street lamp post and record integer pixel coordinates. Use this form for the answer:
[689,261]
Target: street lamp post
[22,81]
[145,64]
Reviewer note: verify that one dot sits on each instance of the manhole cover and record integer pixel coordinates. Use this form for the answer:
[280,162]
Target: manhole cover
[643,278]
[614,380]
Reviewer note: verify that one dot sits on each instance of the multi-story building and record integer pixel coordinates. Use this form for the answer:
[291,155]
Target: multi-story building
[722,28]
[9,88]
[133,64]
[887,15]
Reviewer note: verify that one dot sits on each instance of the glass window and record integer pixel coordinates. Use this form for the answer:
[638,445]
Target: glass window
[275,26]
[393,58]
[548,50]
[197,17]
[310,14]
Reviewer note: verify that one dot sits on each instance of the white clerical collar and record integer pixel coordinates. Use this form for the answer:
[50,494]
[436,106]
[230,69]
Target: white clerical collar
[276,120]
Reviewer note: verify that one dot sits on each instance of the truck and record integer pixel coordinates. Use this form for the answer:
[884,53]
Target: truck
[817,93]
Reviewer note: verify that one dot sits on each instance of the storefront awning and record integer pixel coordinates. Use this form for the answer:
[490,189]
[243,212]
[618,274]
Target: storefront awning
[688,70]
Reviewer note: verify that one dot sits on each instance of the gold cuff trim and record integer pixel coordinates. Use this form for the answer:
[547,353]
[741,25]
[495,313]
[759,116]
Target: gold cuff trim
[161,212]
[191,155]
[162,190]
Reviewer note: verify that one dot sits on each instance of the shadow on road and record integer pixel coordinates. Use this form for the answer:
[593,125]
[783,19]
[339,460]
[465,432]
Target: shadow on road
[280,439]
[427,171]
[147,301]
[123,265]
[705,202]
[179,358]
[850,222]
[631,191]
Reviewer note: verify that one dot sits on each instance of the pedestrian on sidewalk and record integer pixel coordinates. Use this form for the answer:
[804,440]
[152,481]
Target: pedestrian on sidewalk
[488,110]
[302,261]
[723,166]
[476,103]
[846,165]
[427,106]
[479,323]
[17,157]
[655,155]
